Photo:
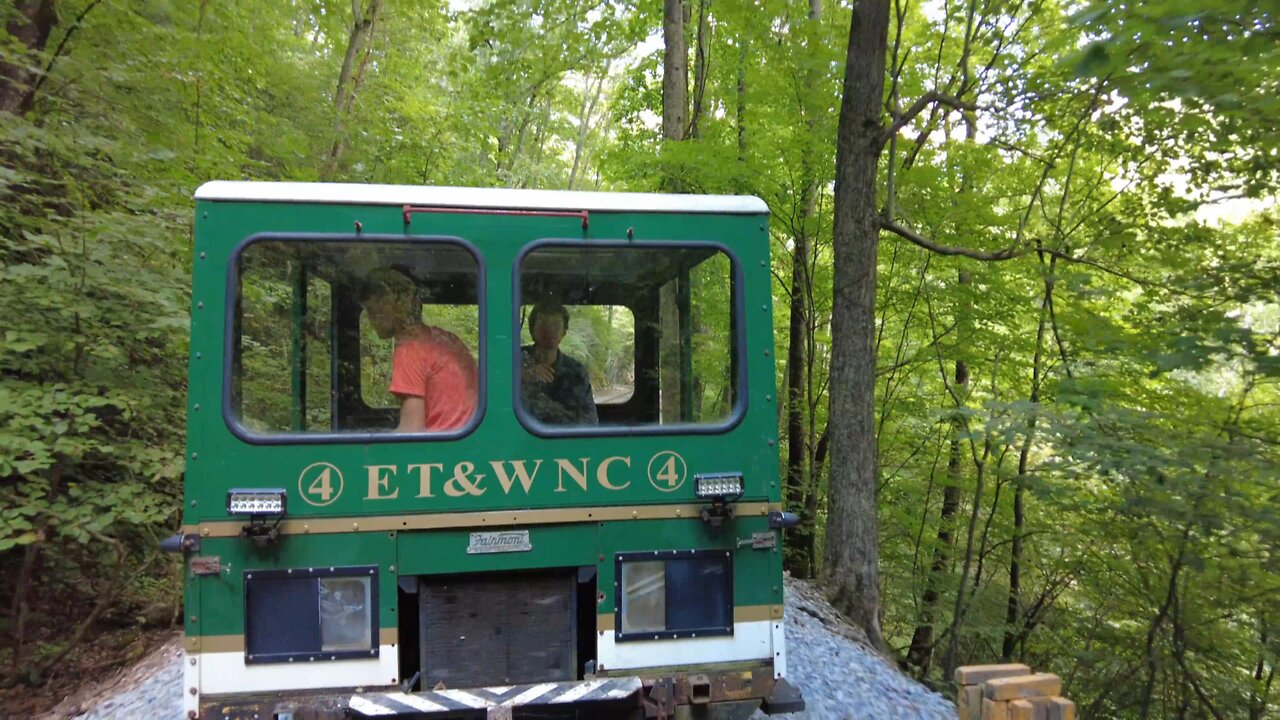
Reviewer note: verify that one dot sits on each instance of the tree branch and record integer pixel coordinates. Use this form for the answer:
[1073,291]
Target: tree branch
[1008,253]
[919,106]
[29,99]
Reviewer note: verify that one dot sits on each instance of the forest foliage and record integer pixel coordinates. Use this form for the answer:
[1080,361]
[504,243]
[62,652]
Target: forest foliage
[1077,328]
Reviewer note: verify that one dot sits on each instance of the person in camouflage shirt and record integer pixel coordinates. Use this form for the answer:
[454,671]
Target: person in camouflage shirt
[554,387]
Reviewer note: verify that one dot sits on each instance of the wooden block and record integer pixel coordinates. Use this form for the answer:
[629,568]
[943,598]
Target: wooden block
[994,709]
[969,702]
[1061,709]
[1021,710]
[1023,686]
[978,674]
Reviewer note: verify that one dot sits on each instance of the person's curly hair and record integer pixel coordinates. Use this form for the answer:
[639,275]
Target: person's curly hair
[548,306]
[385,281]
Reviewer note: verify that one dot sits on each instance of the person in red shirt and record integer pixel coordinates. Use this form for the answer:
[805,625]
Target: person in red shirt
[432,372]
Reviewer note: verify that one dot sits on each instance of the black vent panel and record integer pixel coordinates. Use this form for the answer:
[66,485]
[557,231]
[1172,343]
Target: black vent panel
[499,629]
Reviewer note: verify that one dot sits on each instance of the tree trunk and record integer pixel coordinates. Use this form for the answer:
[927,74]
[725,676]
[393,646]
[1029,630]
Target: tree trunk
[364,23]
[852,552]
[30,22]
[1262,677]
[920,653]
[675,71]
[590,99]
[701,61]
[801,491]
[797,538]
[1014,605]
[741,105]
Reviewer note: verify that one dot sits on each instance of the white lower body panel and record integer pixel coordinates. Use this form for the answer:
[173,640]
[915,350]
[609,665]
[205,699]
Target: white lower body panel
[749,641]
[226,673]
[779,650]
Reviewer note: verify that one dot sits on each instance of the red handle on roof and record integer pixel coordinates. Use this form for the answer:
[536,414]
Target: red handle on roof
[409,210]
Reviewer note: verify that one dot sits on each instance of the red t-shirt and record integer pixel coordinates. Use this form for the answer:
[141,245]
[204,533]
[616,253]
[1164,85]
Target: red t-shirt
[435,365]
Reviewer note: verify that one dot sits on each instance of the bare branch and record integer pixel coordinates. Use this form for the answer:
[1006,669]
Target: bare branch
[919,106]
[1008,253]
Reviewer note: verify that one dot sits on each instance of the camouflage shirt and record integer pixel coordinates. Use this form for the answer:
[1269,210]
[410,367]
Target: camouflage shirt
[566,400]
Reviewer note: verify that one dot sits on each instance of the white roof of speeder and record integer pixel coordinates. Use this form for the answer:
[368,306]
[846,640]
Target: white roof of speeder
[504,198]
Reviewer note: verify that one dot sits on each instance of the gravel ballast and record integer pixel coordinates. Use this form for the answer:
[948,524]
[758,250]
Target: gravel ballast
[840,677]
[838,673]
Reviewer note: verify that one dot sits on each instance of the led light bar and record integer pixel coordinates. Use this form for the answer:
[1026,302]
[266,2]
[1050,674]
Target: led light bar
[256,502]
[726,487]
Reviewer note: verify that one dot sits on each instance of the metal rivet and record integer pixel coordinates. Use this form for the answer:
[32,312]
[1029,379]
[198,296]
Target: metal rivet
[193,618]
[195,455]
[355,526]
[677,512]
[193,503]
[200,306]
[192,691]
[770,443]
[766,353]
[204,532]
[390,569]
[192,661]
[202,256]
[199,355]
[197,406]
[306,528]
[768,398]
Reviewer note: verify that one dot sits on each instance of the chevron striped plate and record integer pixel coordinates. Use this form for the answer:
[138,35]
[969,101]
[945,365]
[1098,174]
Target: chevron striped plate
[394,704]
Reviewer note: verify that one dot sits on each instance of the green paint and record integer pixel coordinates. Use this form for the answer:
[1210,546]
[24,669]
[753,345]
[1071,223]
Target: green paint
[218,460]
[445,552]
[222,596]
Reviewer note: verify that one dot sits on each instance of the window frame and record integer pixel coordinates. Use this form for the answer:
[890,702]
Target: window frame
[314,573]
[737,324]
[238,429]
[663,556]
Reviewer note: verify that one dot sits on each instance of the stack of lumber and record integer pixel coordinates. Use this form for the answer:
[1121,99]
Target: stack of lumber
[1010,692]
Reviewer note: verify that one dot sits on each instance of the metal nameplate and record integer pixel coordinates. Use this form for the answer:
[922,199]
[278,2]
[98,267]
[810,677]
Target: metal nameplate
[764,540]
[206,565]
[498,542]
[760,541]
